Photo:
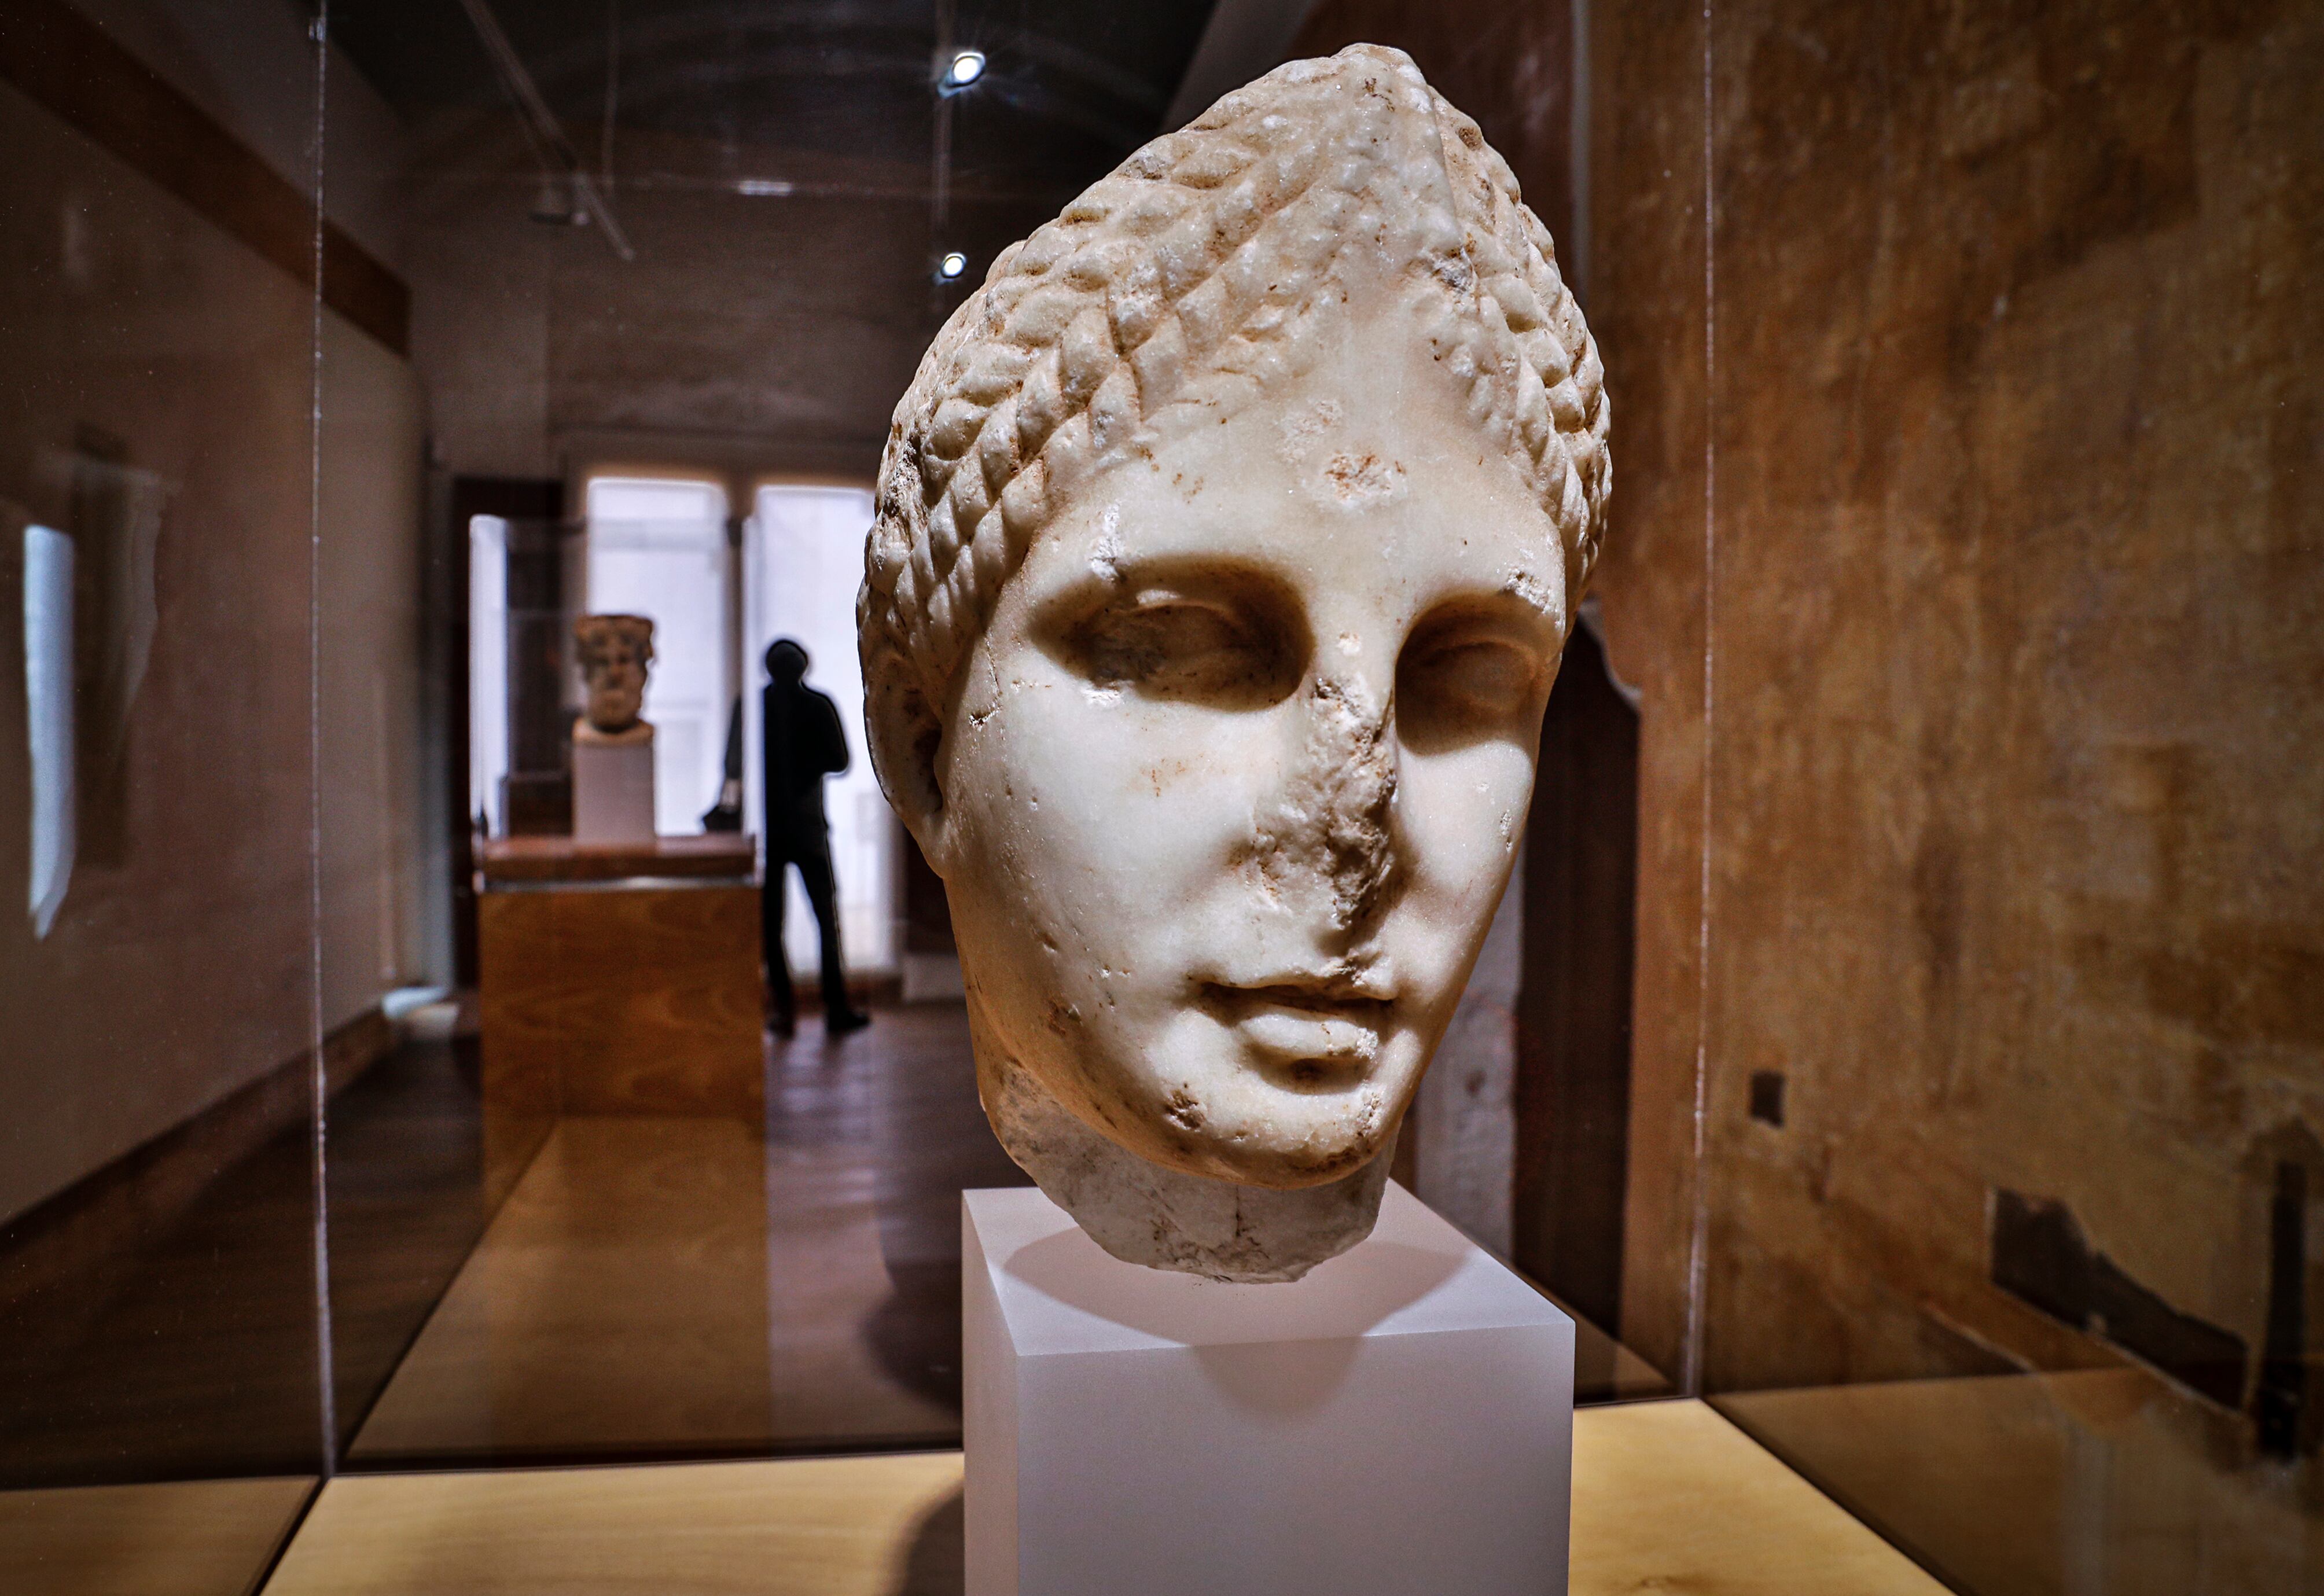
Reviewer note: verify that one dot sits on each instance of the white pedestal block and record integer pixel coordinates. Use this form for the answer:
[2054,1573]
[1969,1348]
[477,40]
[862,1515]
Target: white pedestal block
[1399,1423]
[614,792]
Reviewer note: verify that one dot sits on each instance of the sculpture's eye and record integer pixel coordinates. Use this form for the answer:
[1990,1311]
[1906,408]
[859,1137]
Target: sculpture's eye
[1468,675]
[1230,646]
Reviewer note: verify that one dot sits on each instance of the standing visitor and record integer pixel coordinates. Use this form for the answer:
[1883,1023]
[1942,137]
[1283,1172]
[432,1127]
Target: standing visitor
[804,744]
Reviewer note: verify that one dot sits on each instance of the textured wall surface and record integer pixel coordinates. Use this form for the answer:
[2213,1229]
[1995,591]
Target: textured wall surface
[2016,625]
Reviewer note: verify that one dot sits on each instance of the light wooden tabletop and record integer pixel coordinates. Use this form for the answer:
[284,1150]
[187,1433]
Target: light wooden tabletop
[1668,1496]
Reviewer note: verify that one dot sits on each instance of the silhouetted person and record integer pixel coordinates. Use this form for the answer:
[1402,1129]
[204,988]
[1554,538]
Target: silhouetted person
[804,744]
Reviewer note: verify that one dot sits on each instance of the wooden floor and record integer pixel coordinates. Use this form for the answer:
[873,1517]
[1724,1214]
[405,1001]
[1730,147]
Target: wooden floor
[616,1305]
[194,1538]
[1668,1497]
[672,1286]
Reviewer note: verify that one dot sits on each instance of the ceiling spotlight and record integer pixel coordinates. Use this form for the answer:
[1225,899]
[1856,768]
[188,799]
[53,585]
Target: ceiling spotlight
[964,68]
[950,268]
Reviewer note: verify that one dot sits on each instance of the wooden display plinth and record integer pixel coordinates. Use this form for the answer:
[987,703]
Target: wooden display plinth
[617,980]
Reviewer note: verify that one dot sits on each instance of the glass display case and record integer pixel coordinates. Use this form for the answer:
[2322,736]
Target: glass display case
[1902,1040]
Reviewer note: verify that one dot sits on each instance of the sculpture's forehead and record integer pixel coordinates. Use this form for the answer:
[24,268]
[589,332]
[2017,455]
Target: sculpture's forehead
[1359,466]
[1360,523]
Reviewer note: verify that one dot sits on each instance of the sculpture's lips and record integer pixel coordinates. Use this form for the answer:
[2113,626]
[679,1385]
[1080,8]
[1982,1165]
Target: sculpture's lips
[1305,1020]
[1324,1000]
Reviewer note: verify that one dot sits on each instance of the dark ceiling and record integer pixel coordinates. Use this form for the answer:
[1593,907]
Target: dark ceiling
[1072,86]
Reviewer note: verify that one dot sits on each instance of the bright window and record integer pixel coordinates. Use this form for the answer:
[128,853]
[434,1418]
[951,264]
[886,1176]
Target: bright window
[803,560]
[488,656]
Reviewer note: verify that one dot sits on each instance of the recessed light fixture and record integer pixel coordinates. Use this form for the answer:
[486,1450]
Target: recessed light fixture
[965,68]
[950,268]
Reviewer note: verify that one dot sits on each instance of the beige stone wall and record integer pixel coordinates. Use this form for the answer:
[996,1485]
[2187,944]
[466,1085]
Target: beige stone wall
[371,757]
[2016,625]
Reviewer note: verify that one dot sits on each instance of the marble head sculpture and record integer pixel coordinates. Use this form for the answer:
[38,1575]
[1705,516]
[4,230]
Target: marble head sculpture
[1226,544]
[614,652]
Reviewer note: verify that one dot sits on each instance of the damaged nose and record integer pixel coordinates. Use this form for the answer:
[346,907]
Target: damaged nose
[1353,765]
[1324,848]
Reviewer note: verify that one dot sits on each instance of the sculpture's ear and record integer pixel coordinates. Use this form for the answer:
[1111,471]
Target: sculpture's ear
[906,741]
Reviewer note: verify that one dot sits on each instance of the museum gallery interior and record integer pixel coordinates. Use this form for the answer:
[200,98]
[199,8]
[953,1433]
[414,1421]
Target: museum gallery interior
[1270,798]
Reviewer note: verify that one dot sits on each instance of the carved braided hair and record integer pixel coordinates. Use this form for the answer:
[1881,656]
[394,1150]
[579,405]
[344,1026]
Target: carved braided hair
[1187,276]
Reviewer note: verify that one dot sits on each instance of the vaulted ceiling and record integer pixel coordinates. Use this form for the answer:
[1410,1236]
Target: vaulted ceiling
[1071,86]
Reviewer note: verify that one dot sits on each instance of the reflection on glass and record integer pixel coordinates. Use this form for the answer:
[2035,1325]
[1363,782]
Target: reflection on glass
[48,717]
[1906,1028]
[161,1410]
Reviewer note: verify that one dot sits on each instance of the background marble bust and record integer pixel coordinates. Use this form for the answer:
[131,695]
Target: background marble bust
[1227,541]
[616,652]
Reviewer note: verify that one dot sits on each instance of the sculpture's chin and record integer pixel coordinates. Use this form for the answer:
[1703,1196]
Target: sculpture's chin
[1194,1097]
[1146,1213]
[1217,1154]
